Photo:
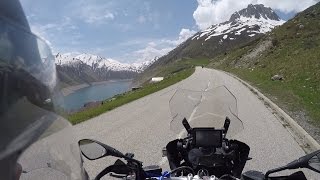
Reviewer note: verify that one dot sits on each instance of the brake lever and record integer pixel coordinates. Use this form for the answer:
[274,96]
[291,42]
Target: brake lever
[118,169]
[129,155]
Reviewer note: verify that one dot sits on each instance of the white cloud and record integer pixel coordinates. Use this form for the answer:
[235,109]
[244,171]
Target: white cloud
[161,47]
[109,16]
[150,52]
[124,27]
[40,32]
[93,13]
[51,32]
[146,6]
[183,36]
[152,44]
[94,18]
[142,19]
[211,12]
[146,48]
[156,47]
[288,5]
[65,25]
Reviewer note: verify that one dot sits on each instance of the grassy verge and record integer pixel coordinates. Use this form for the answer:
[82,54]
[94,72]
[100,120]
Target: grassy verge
[125,98]
[293,96]
[300,89]
[295,54]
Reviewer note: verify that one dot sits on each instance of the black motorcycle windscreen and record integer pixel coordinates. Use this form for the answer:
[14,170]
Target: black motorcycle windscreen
[205,109]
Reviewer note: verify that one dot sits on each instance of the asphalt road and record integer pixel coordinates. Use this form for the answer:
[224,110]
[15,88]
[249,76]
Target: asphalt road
[142,126]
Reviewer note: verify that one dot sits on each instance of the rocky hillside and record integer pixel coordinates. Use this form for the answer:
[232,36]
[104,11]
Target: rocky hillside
[86,68]
[243,27]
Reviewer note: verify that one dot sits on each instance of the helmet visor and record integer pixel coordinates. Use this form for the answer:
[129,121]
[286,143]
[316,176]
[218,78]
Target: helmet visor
[28,87]
[28,104]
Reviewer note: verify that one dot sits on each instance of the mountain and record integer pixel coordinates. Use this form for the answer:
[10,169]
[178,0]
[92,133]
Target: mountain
[249,22]
[74,68]
[96,62]
[243,26]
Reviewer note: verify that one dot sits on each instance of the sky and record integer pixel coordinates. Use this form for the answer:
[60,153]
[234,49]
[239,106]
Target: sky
[134,30]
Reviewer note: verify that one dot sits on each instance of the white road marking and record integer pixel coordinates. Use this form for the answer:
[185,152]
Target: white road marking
[207,86]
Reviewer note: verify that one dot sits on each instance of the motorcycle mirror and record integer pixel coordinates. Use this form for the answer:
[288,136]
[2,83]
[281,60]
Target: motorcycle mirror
[314,162]
[310,161]
[91,149]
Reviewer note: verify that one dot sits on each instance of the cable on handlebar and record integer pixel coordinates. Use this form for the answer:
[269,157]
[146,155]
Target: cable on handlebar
[165,175]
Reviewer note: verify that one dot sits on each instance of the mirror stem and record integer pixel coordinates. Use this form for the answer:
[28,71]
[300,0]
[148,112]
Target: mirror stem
[186,125]
[275,170]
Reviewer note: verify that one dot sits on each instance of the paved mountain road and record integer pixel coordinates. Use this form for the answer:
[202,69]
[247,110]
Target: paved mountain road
[142,126]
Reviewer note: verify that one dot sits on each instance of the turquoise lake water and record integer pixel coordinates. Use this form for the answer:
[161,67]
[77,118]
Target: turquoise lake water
[92,93]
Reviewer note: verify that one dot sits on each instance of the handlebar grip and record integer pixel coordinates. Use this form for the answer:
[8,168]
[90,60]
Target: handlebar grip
[118,169]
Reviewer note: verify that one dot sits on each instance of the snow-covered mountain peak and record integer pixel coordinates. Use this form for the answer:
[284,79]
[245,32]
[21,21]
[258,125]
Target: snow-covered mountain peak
[257,11]
[253,20]
[96,62]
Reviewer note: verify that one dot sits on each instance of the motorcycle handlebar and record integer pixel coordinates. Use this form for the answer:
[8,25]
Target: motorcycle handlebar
[191,177]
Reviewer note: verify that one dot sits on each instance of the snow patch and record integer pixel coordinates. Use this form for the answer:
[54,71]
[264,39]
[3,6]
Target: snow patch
[239,31]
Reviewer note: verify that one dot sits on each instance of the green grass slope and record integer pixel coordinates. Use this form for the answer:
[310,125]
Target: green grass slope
[291,50]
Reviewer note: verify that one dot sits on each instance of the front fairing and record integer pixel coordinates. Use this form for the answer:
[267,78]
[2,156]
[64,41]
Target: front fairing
[205,109]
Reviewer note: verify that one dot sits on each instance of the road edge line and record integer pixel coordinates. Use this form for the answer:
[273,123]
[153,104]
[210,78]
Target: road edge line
[307,143]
